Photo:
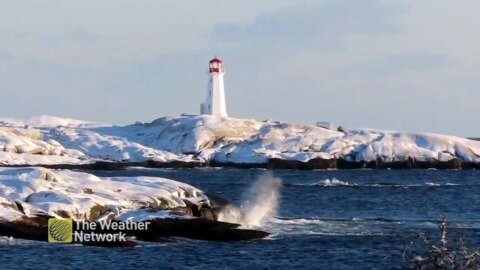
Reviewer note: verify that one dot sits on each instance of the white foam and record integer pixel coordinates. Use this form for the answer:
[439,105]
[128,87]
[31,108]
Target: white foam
[259,204]
[331,182]
[430,184]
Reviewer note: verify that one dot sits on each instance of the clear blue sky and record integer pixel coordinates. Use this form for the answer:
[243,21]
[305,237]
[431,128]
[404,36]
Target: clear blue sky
[402,65]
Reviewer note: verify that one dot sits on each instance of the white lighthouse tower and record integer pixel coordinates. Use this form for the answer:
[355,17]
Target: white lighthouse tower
[215,103]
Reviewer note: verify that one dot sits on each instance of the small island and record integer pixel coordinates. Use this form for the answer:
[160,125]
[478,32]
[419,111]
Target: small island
[206,140]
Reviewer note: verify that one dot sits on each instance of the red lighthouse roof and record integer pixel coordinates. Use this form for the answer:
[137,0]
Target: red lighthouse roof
[216,60]
[216,65]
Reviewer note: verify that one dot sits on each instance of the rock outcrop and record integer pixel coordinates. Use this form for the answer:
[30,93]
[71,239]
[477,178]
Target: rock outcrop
[193,141]
[30,196]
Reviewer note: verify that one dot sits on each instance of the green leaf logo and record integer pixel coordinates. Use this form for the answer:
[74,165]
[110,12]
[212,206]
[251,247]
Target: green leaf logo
[60,230]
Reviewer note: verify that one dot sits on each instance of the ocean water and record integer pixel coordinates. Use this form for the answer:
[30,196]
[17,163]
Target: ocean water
[339,219]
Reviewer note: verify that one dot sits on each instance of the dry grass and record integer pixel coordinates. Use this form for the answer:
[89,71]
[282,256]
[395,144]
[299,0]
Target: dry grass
[441,254]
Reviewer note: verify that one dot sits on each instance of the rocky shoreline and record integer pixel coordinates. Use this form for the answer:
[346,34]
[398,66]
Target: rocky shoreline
[274,163]
[205,227]
[29,197]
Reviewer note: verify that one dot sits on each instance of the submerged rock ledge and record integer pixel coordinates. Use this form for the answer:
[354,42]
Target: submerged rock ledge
[200,140]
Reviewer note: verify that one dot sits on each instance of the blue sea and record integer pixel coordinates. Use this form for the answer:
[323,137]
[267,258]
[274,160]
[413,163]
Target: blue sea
[334,219]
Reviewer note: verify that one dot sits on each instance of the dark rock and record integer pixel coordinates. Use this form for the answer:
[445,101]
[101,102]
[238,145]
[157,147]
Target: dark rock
[198,228]
[208,214]
[217,201]
[237,165]
[87,191]
[396,165]
[62,213]
[341,129]
[26,228]
[454,164]
[274,163]
[346,164]
[316,163]
[470,165]
[172,164]
[96,211]
[319,163]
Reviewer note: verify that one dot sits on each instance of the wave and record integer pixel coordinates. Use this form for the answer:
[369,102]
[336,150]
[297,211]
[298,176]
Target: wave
[318,220]
[339,183]
[259,203]
[330,183]
[299,221]
[375,226]
[323,183]
[372,221]
[319,226]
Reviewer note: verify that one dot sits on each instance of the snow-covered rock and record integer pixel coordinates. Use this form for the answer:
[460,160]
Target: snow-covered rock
[46,121]
[207,139]
[29,197]
[35,192]
[27,146]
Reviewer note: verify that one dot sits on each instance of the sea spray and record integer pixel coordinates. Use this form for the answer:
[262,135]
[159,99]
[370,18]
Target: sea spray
[259,203]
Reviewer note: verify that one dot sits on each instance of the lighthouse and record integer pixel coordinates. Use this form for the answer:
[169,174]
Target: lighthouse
[215,102]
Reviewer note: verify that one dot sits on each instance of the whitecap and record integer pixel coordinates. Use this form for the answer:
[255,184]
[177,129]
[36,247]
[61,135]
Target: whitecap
[331,182]
[430,184]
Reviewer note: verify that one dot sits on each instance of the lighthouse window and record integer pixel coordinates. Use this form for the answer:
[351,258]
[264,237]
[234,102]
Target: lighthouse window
[209,107]
[210,92]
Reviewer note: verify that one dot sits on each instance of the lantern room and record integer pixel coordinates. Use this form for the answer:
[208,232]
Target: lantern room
[216,65]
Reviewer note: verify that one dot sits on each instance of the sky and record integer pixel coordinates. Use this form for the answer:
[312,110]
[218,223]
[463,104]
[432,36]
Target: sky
[411,66]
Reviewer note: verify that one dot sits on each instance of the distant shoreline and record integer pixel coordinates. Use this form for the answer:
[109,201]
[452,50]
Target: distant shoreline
[273,164]
[190,141]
